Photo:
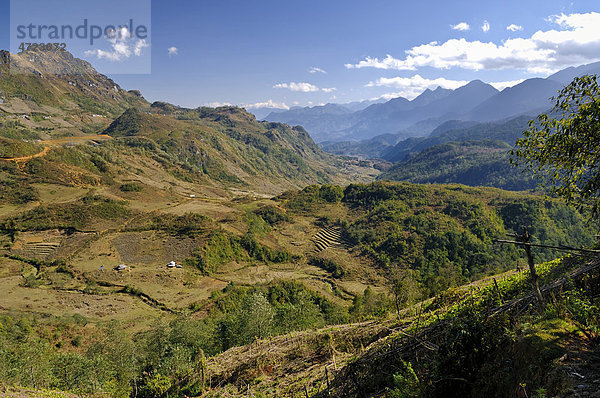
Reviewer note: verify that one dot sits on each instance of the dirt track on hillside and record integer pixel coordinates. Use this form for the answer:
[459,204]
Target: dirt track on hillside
[56,142]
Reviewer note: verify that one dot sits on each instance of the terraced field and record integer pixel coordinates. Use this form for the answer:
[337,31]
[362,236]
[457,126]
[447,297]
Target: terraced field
[329,237]
[40,250]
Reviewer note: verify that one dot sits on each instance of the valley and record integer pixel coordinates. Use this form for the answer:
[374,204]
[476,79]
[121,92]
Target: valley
[152,250]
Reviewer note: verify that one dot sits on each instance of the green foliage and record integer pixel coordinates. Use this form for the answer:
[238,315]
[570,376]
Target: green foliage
[190,224]
[474,163]
[285,307]
[550,222]
[10,148]
[220,249]
[328,265]
[13,129]
[272,215]
[127,289]
[312,195]
[16,191]
[28,359]
[469,342]
[223,247]
[446,233]
[262,253]
[404,287]
[577,305]
[75,215]
[254,319]
[562,148]
[130,187]
[369,305]
[406,382]
[331,193]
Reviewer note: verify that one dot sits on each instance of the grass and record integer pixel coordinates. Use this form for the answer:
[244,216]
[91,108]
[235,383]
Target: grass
[54,193]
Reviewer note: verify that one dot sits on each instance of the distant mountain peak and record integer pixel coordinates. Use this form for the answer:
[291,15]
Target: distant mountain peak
[428,96]
[477,84]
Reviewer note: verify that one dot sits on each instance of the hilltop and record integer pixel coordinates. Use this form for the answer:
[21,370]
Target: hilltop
[49,95]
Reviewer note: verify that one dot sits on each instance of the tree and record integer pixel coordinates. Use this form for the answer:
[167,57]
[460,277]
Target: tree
[562,148]
[404,286]
[257,316]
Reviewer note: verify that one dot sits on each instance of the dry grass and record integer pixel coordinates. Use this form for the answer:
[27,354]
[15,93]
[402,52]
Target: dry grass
[54,193]
[285,365]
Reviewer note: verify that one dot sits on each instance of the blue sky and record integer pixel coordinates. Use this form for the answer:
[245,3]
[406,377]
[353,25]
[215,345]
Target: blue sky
[263,52]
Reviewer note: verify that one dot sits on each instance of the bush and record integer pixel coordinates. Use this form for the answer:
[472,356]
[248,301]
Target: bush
[272,215]
[328,265]
[223,247]
[130,187]
[189,224]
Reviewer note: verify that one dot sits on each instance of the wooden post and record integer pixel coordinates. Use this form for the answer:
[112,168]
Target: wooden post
[334,362]
[498,291]
[535,279]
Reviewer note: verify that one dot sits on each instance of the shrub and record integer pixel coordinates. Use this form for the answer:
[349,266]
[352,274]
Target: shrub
[130,187]
[328,265]
[272,215]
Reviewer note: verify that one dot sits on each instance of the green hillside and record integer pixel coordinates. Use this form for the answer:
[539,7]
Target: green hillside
[474,163]
[454,131]
[444,233]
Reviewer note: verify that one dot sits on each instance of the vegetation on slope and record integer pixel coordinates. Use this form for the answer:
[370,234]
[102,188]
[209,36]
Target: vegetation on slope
[444,233]
[453,131]
[489,341]
[11,148]
[167,360]
[474,163]
[210,146]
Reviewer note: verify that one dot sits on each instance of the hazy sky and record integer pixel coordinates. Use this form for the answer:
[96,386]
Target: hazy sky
[287,53]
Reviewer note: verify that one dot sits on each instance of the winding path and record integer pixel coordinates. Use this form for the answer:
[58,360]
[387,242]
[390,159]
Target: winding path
[59,141]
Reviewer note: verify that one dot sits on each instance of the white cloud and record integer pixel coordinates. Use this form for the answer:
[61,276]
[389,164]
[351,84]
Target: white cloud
[513,28]
[386,96]
[173,51]
[267,104]
[577,41]
[314,69]
[139,46]
[486,26]
[217,104]
[461,26]
[410,87]
[303,87]
[509,83]
[123,46]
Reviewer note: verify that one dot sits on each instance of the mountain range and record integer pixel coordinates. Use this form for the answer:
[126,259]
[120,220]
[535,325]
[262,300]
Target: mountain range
[476,101]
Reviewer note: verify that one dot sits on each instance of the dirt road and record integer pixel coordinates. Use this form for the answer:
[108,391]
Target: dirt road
[57,142]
